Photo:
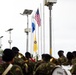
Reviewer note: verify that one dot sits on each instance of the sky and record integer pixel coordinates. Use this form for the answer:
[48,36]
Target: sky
[63,25]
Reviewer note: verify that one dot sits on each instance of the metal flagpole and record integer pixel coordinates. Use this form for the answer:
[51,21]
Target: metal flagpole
[43,28]
[31,38]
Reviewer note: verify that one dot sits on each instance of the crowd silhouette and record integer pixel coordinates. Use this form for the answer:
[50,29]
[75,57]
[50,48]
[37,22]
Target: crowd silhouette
[15,63]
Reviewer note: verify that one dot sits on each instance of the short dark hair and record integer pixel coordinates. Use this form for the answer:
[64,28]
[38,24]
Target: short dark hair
[28,55]
[8,55]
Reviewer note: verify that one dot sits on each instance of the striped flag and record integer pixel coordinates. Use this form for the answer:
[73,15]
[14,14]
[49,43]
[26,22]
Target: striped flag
[37,17]
[35,44]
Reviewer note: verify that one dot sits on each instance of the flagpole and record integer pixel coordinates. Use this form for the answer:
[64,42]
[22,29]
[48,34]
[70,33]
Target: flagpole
[43,27]
[38,40]
[38,20]
[31,39]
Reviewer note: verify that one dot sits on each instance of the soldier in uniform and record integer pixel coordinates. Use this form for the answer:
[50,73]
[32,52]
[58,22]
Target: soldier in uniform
[69,57]
[62,59]
[39,62]
[46,67]
[17,53]
[30,63]
[8,68]
[73,69]
[19,59]
[74,57]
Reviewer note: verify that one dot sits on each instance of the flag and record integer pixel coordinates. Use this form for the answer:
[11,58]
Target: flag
[33,27]
[35,44]
[37,17]
[33,23]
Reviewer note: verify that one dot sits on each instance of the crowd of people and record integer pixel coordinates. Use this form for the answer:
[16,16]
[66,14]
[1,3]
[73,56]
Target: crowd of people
[15,63]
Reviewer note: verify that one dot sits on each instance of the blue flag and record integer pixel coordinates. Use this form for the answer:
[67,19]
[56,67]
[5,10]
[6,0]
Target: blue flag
[33,27]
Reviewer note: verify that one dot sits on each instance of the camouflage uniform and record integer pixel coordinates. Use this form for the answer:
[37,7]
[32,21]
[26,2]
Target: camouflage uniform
[73,70]
[45,68]
[21,63]
[1,52]
[68,62]
[73,61]
[15,70]
[62,60]
[69,57]
[19,59]
[30,65]
[8,58]
[26,65]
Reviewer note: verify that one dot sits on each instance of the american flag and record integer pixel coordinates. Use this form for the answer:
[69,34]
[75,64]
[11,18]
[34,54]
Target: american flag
[37,17]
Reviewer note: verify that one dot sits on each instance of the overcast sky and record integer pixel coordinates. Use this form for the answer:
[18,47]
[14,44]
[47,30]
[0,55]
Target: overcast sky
[63,24]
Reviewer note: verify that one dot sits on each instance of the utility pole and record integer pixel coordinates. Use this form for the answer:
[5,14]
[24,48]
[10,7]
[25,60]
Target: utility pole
[9,41]
[27,30]
[50,3]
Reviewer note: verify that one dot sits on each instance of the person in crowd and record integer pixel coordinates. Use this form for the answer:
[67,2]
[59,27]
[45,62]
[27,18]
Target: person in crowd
[46,67]
[39,62]
[62,59]
[30,63]
[73,69]
[17,53]
[74,57]
[69,57]
[19,59]
[8,68]
[28,56]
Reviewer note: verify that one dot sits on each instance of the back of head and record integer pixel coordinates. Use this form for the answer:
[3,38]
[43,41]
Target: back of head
[43,56]
[15,50]
[69,56]
[8,55]
[27,55]
[47,57]
[60,53]
[74,54]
